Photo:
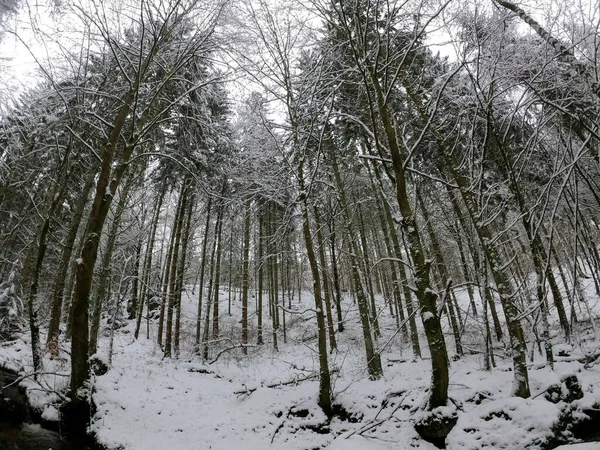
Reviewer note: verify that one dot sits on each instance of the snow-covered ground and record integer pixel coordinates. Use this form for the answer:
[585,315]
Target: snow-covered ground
[148,402]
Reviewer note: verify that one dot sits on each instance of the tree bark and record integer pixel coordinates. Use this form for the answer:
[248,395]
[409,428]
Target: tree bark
[182,269]
[58,289]
[147,269]
[104,281]
[245,276]
[106,186]
[217,279]
[168,274]
[324,376]
[175,267]
[326,290]
[202,272]
[374,366]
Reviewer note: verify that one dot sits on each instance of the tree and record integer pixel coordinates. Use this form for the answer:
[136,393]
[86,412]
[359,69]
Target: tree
[355,29]
[279,39]
[145,100]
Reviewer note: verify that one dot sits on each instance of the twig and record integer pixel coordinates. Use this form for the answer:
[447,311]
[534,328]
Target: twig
[375,423]
[296,380]
[277,430]
[229,349]
[29,375]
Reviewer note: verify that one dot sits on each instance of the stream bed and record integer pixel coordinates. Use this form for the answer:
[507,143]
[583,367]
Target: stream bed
[17,428]
[30,436]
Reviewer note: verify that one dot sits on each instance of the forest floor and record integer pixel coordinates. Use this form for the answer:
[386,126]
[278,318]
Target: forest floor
[146,401]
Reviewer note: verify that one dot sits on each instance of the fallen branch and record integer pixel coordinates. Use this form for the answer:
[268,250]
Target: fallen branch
[228,349]
[297,313]
[29,375]
[374,423]
[277,431]
[296,380]
[586,360]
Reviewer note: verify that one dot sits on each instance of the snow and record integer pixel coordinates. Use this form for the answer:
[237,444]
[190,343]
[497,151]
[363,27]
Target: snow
[51,414]
[146,401]
[427,316]
[186,404]
[582,446]
[508,423]
[184,408]
[357,443]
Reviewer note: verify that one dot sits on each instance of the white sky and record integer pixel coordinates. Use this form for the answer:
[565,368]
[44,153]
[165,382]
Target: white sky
[19,69]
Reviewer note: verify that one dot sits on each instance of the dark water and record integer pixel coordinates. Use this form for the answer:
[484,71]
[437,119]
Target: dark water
[16,430]
[33,437]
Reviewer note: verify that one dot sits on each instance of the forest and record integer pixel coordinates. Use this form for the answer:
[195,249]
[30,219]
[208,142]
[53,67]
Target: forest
[343,224]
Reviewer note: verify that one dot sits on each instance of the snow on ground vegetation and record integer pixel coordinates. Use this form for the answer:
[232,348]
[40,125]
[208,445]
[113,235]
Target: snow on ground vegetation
[268,398]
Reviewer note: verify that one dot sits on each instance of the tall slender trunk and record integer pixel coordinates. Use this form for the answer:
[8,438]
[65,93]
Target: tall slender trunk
[168,272]
[135,276]
[104,281]
[476,262]
[206,333]
[273,279]
[326,290]
[54,198]
[181,270]
[175,259]
[367,271]
[441,269]
[148,258]
[58,289]
[374,366]
[503,286]
[245,276]
[202,271]
[70,290]
[425,295]
[106,186]
[217,280]
[337,291]
[324,376]
[465,272]
[230,267]
[402,279]
[259,275]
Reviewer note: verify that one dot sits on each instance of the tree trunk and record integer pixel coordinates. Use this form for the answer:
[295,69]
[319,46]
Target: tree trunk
[245,276]
[326,290]
[106,186]
[217,280]
[259,275]
[135,276]
[206,333]
[202,271]
[58,289]
[168,274]
[181,270]
[373,357]
[324,376]
[54,198]
[175,267]
[104,281]
[441,269]
[367,271]
[425,295]
[402,280]
[147,269]
[337,292]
